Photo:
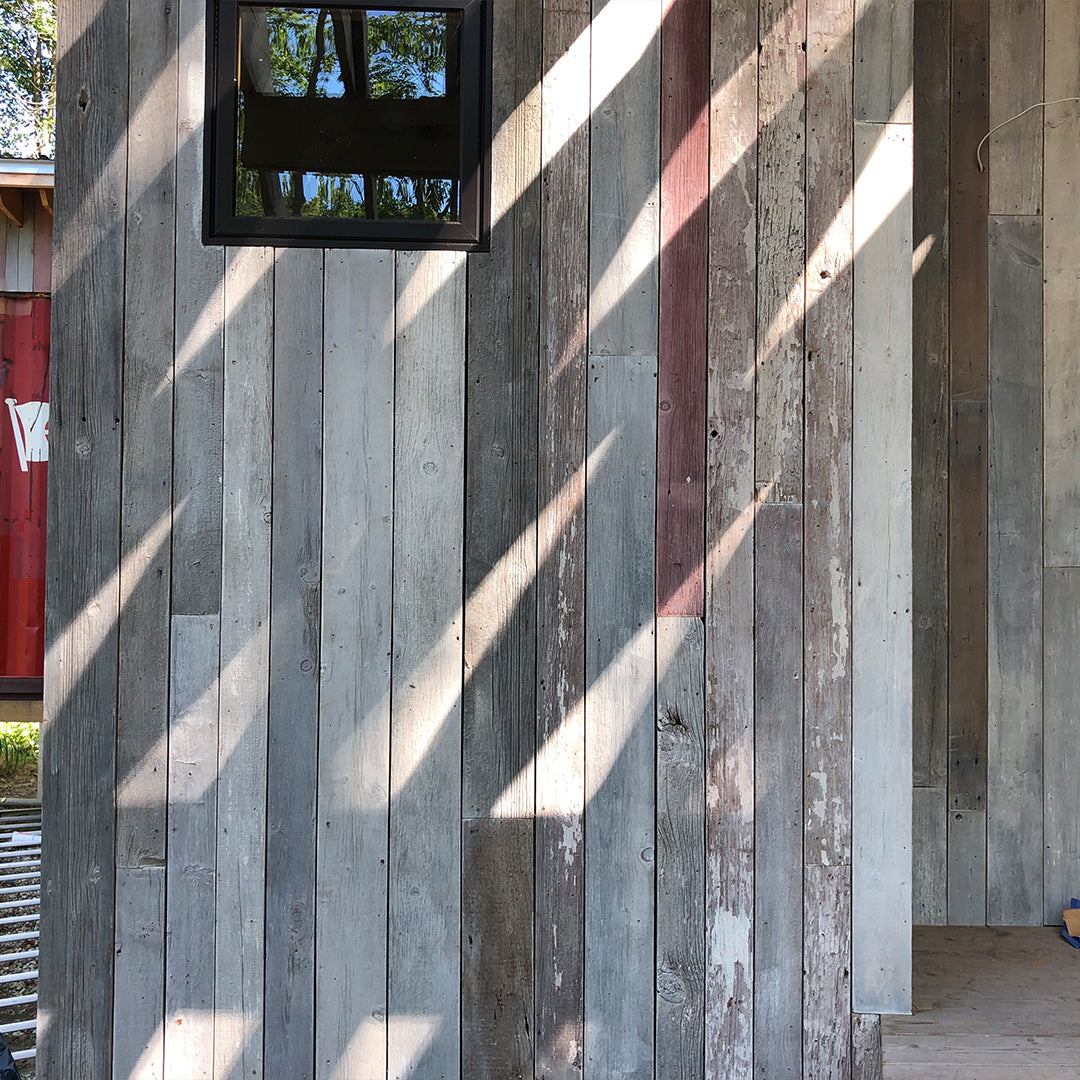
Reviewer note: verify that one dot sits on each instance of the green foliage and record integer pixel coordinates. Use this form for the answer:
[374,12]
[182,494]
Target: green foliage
[18,744]
[27,88]
[408,54]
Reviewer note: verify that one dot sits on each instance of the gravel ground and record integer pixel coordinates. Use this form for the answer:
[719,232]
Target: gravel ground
[19,1040]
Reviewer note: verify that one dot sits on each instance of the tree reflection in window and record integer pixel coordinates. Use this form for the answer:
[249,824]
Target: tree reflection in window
[348,113]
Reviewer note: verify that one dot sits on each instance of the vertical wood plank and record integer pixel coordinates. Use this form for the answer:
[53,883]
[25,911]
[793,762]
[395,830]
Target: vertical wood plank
[11,254]
[866,1061]
[497,948]
[245,654]
[883,50]
[929,856]
[21,253]
[1014,737]
[680,850]
[881,571]
[781,248]
[1061,798]
[620,666]
[930,398]
[683,317]
[43,242]
[354,685]
[75,1005]
[294,662]
[190,878]
[778,755]
[967,868]
[624,178]
[139,1009]
[1061,298]
[425,720]
[730,509]
[142,771]
[198,387]
[827,972]
[968,389]
[3,253]
[560,583]
[1014,154]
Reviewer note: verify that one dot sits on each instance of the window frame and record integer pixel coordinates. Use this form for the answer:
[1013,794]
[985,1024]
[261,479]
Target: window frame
[221,226]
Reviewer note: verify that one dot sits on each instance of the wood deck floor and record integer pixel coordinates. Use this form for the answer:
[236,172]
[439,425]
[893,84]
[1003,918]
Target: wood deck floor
[991,1003]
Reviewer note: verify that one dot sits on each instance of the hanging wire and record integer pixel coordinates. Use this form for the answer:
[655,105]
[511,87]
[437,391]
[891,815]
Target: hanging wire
[1023,112]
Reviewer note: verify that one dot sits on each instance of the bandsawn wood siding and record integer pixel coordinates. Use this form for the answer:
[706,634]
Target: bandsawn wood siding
[494,665]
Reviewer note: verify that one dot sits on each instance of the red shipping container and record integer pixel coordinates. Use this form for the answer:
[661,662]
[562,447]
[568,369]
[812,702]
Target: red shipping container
[24,453]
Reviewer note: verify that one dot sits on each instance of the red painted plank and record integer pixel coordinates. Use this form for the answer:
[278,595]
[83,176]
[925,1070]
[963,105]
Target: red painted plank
[684,225]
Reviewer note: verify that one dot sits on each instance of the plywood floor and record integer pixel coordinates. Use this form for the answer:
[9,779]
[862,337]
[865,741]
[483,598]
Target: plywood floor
[991,1003]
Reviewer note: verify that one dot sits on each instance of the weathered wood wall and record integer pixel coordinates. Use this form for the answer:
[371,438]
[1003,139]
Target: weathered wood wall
[491,665]
[26,243]
[995,439]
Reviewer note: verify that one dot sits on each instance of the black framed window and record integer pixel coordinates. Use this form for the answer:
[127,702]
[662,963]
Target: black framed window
[348,123]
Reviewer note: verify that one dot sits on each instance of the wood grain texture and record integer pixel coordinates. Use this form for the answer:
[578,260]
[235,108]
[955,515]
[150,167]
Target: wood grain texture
[425,721]
[683,325]
[778,755]
[1014,837]
[866,1063]
[929,856]
[245,654]
[190,877]
[560,582]
[826,972]
[1061,297]
[881,565]
[198,378]
[354,684]
[499,707]
[496,949]
[1014,154]
[142,771]
[620,727]
[680,849]
[43,244]
[967,868]
[930,396]
[827,390]
[75,1006]
[624,177]
[1061,801]
[968,377]
[729,545]
[139,1009]
[292,749]
[883,61]
[20,242]
[781,249]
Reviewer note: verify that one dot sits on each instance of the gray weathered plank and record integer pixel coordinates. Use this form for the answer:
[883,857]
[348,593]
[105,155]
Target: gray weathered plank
[778,756]
[781,248]
[1014,736]
[1014,154]
[294,662]
[20,243]
[79,739]
[866,1063]
[354,686]
[930,398]
[826,972]
[198,385]
[967,868]
[425,721]
[139,1008]
[497,949]
[560,582]
[620,719]
[729,546]
[1061,296]
[624,180]
[142,772]
[245,651]
[883,59]
[881,571]
[190,876]
[1061,796]
[929,856]
[680,849]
